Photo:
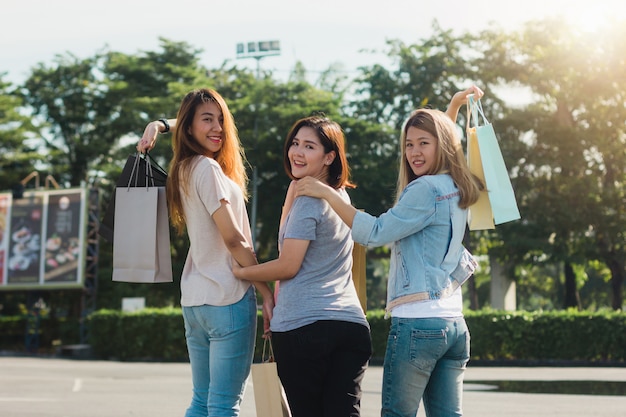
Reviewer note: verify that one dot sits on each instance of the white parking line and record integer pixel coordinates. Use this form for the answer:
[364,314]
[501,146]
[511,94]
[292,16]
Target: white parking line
[78,384]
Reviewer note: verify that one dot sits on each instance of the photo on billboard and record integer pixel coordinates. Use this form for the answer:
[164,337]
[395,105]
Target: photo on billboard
[63,247]
[24,253]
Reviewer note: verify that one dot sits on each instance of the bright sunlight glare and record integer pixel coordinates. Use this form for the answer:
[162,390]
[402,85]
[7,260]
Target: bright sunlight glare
[592,16]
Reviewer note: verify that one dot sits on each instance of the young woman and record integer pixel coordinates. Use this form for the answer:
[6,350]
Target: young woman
[428,343]
[320,335]
[206,190]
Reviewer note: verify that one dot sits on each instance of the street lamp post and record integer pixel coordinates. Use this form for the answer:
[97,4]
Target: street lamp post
[258,51]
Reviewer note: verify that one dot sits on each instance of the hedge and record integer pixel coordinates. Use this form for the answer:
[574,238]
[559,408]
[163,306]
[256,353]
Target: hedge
[158,334]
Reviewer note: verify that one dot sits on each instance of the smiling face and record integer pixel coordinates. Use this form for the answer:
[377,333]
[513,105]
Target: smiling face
[206,128]
[420,151]
[307,155]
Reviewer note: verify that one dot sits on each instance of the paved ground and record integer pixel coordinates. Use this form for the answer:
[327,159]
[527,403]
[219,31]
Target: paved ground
[41,387]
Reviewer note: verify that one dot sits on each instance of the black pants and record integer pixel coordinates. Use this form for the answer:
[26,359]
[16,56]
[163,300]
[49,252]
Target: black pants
[321,367]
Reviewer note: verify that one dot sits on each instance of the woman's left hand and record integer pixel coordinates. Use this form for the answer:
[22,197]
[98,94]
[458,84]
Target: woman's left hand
[460,98]
[311,187]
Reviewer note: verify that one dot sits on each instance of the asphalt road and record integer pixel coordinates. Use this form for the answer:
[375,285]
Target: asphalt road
[47,387]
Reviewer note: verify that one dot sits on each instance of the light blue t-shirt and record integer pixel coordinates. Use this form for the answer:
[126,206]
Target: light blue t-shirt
[323,288]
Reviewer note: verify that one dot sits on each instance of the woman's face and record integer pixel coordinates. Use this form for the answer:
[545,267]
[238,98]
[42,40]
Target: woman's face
[420,150]
[307,156]
[206,128]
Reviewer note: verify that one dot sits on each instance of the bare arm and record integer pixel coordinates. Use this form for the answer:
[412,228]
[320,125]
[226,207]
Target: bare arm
[243,254]
[460,99]
[285,267]
[150,133]
[234,239]
[315,188]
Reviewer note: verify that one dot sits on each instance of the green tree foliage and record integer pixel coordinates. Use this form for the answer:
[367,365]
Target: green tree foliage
[565,148]
[17,144]
[80,118]
[426,73]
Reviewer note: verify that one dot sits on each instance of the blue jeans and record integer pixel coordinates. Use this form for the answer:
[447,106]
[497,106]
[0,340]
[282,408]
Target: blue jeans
[425,359]
[220,342]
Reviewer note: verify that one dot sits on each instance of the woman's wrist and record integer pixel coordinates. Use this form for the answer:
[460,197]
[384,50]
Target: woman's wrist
[164,124]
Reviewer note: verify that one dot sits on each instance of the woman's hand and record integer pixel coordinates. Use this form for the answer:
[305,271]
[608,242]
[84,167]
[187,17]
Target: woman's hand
[149,137]
[312,187]
[266,293]
[268,312]
[460,98]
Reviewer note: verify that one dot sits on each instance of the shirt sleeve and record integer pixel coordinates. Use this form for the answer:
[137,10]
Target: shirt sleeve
[303,218]
[413,212]
[210,183]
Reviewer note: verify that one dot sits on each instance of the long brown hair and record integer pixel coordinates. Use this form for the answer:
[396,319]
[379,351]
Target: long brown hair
[230,157]
[332,139]
[449,157]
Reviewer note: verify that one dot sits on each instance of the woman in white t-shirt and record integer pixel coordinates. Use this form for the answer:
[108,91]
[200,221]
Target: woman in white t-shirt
[206,193]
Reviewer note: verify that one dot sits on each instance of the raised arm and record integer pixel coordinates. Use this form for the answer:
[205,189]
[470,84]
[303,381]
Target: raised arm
[460,99]
[152,130]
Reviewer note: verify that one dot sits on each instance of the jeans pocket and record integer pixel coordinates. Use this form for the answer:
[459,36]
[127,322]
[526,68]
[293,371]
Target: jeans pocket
[426,347]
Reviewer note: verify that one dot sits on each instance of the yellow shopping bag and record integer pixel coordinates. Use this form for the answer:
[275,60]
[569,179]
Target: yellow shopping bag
[497,203]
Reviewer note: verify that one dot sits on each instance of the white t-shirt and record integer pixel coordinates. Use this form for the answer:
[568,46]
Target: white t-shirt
[207,276]
[446,307]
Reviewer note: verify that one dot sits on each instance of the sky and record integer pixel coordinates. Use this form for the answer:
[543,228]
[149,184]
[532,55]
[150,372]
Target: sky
[317,33]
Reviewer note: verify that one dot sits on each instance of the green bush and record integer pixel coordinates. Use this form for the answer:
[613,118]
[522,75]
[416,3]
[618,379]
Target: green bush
[149,334]
[158,334]
[548,336]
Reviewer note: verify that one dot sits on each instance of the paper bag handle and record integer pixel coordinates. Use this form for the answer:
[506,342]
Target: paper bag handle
[135,171]
[270,351]
[474,108]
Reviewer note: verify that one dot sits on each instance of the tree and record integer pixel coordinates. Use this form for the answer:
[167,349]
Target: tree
[17,138]
[567,145]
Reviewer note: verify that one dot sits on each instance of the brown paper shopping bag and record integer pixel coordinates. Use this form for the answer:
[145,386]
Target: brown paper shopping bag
[141,243]
[269,395]
[497,203]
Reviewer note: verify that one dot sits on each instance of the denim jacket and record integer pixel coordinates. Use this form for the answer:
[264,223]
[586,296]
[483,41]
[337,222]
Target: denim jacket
[426,229]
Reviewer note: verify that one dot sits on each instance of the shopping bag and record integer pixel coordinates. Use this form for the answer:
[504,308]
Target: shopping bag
[158,177]
[269,396]
[141,245]
[497,203]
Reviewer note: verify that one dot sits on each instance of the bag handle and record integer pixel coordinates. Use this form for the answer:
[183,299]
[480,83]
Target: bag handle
[270,352]
[134,173]
[155,165]
[149,173]
[474,108]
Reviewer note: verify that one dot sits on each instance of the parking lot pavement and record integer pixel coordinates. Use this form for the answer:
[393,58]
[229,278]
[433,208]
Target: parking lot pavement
[46,387]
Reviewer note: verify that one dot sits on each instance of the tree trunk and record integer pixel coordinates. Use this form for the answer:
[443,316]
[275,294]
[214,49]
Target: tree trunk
[617,282]
[572,298]
[473,294]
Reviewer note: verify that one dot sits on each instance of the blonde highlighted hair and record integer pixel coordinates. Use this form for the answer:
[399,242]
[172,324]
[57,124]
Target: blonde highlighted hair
[449,157]
[230,157]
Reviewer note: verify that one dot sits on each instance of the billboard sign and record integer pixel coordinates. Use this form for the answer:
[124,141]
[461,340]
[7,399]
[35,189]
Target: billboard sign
[42,239]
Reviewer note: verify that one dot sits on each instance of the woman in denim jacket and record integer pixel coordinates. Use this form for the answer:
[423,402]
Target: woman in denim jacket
[428,343]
